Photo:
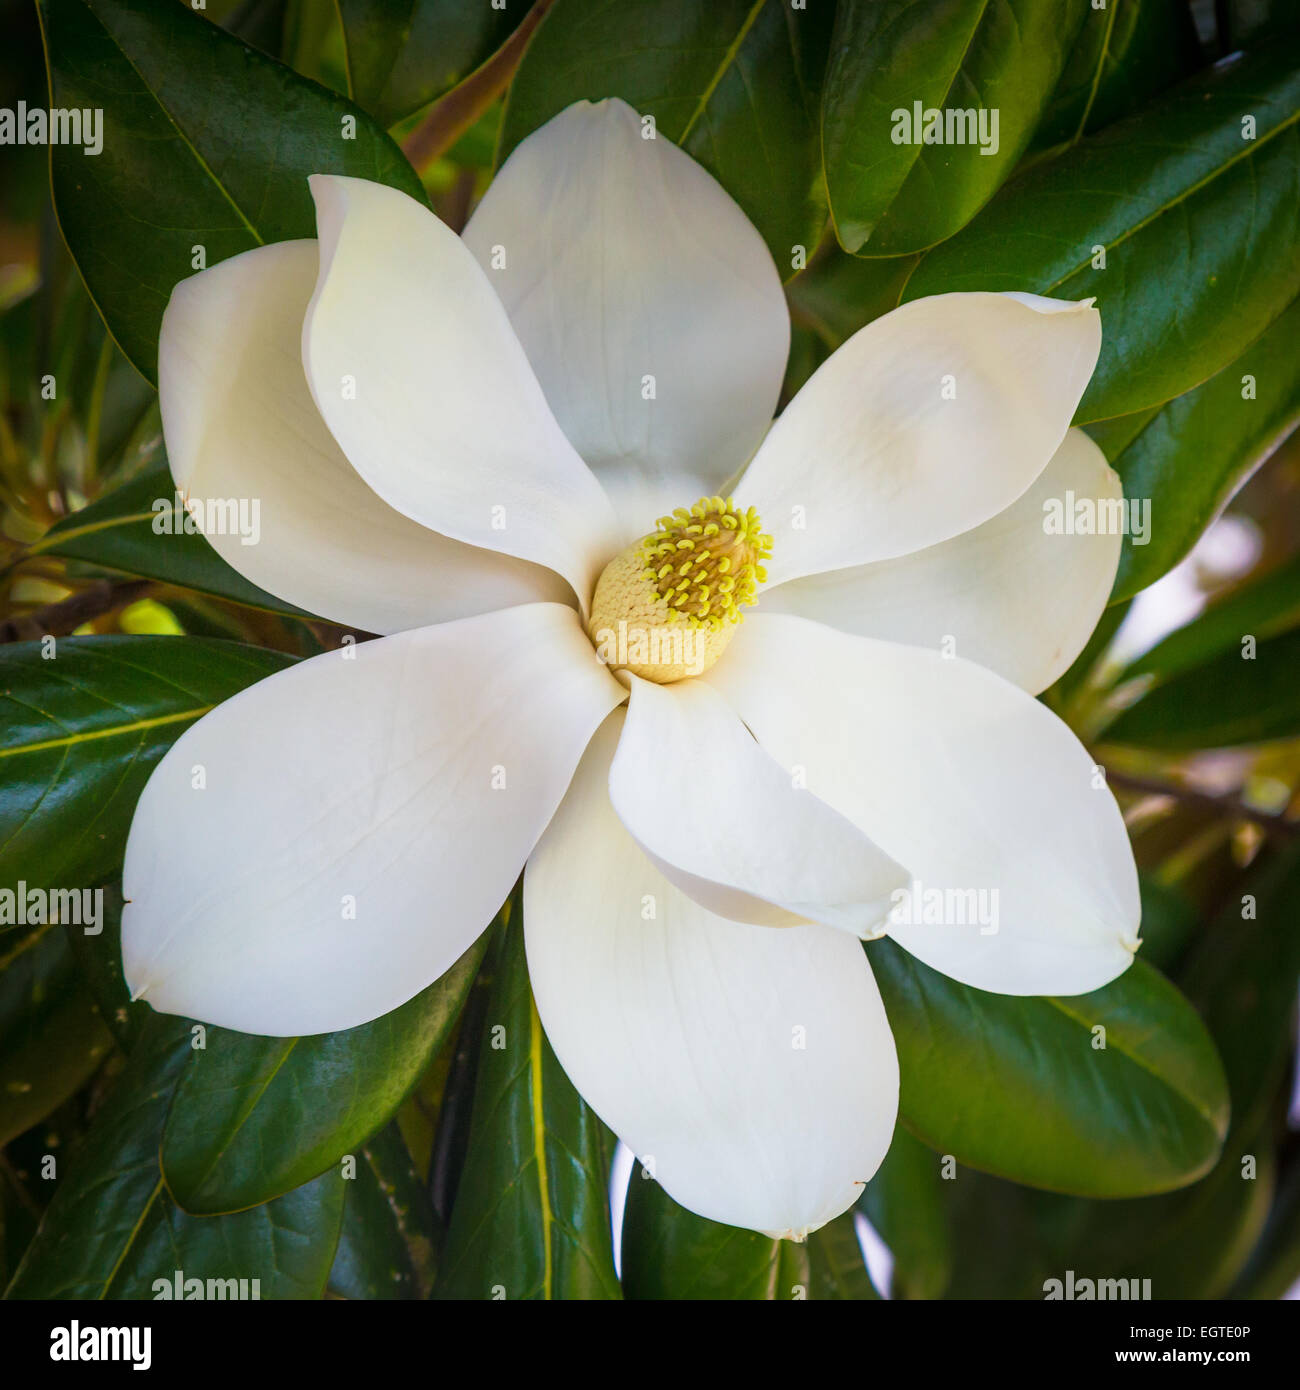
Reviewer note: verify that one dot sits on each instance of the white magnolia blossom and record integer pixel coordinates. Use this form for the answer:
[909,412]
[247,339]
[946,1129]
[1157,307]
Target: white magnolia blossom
[452,440]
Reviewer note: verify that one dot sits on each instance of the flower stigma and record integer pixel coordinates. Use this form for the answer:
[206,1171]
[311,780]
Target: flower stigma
[667,606]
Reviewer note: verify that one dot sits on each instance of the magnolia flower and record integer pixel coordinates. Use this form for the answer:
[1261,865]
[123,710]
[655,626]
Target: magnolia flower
[540,459]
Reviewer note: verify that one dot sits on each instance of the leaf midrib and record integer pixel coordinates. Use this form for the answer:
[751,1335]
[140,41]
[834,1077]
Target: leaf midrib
[118,729]
[728,58]
[157,100]
[1252,149]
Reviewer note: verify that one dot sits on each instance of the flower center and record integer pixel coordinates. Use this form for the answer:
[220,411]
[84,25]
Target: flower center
[667,606]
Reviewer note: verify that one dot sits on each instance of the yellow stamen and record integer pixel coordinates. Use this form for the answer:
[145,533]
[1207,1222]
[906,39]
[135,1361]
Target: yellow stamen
[668,605]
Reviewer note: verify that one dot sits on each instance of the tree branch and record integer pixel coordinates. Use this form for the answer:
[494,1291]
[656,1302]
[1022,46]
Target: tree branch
[59,619]
[1220,804]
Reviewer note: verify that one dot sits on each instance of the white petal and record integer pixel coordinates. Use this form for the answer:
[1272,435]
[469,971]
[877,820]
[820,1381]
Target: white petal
[241,426]
[752,1067]
[928,421]
[961,776]
[624,260]
[419,376]
[360,819]
[724,823]
[1012,594]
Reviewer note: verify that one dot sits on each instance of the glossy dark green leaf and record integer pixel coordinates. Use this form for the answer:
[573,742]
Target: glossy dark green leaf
[84,729]
[1192,1243]
[402,54]
[1199,225]
[1195,452]
[1169,922]
[1262,608]
[904,1203]
[52,1038]
[1244,695]
[1018,1086]
[670,1253]
[1126,53]
[19,1215]
[1274,1264]
[734,82]
[836,1267]
[531,1214]
[839,294]
[1113,436]
[889,192]
[118,532]
[99,958]
[112,1231]
[386,1246]
[1012,1242]
[255,1117]
[207,144]
[1243,977]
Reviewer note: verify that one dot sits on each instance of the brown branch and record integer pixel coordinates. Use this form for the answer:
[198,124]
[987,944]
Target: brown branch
[448,119]
[1221,804]
[59,619]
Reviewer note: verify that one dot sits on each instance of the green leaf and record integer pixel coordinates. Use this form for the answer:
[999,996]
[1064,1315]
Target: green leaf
[1195,452]
[1010,1240]
[255,1117]
[1127,52]
[670,1253]
[208,144]
[1274,1264]
[891,193]
[1235,698]
[85,728]
[1200,229]
[19,1215]
[836,1268]
[99,958]
[401,54]
[1262,608]
[1192,1243]
[112,1229]
[1243,976]
[531,1214]
[52,1038]
[904,1203]
[117,532]
[839,294]
[1018,1086]
[1169,922]
[734,82]
[386,1247]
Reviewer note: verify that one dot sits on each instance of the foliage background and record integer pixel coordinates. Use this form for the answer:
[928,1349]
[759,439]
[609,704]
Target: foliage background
[1121,128]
